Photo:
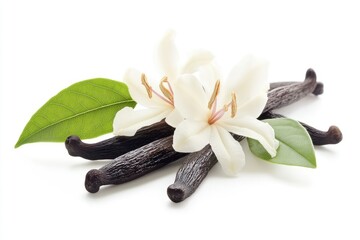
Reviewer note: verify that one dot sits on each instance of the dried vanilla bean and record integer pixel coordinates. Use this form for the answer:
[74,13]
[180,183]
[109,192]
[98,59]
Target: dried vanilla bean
[116,146]
[283,96]
[194,169]
[133,164]
[319,89]
[192,172]
[318,137]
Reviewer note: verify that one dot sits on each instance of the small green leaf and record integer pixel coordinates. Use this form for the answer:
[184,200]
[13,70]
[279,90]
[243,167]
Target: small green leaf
[86,108]
[295,147]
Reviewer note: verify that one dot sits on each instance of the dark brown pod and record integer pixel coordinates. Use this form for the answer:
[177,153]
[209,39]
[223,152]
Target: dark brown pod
[319,89]
[192,172]
[332,136]
[133,164]
[194,169]
[286,95]
[116,146]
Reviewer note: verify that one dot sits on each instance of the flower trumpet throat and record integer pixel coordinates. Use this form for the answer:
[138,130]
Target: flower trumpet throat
[167,92]
[217,114]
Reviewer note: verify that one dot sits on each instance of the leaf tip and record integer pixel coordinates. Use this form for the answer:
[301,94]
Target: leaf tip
[313,164]
[18,144]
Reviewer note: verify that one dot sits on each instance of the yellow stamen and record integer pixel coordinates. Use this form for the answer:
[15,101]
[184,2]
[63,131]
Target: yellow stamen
[164,90]
[214,94]
[233,104]
[146,84]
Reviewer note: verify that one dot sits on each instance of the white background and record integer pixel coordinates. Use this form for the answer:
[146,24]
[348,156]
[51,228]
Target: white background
[49,45]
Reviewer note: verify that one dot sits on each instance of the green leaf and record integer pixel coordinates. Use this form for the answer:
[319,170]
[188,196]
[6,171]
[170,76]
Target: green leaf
[295,147]
[86,108]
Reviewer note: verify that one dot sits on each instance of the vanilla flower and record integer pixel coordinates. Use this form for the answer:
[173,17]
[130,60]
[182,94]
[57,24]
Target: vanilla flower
[231,108]
[157,99]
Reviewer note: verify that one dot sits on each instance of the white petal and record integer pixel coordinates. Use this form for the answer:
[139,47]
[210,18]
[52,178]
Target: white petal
[208,75]
[252,128]
[198,59]
[137,90]
[168,56]
[190,99]
[127,121]
[227,150]
[247,79]
[253,107]
[191,136]
[174,118]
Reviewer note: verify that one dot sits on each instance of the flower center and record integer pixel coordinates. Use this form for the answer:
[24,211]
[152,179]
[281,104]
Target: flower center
[165,87]
[212,105]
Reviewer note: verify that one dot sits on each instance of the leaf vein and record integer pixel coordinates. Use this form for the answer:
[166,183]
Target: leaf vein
[106,88]
[62,105]
[85,95]
[45,117]
[295,150]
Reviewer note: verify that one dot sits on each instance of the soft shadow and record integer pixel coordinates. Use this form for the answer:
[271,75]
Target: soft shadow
[192,198]
[66,161]
[325,150]
[179,205]
[294,107]
[255,166]
[292,176]
[90,164]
